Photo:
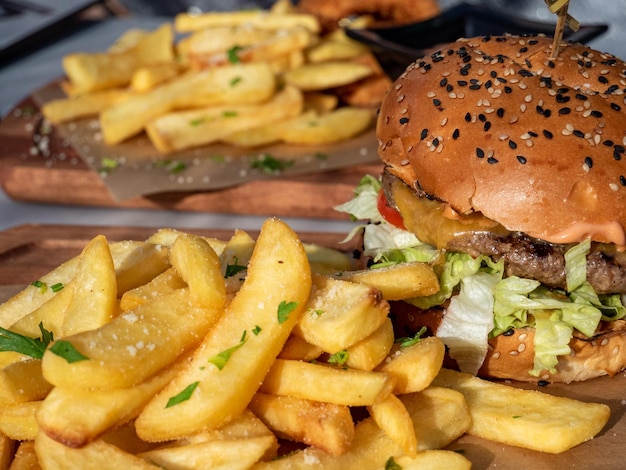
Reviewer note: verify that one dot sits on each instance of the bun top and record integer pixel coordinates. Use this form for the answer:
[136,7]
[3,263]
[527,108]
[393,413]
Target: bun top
[495,125]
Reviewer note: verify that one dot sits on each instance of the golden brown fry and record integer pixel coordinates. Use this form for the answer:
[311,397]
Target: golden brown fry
[18,421]
[325,75]
[81,106]
[97,71]
[326,426]
[150,76]
[241,83]
[185,22]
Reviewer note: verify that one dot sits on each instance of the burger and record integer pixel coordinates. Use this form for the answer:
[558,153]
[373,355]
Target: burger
[505,168]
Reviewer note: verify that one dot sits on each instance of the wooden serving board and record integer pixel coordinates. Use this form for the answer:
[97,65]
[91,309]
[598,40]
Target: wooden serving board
[61,177]
[27,252]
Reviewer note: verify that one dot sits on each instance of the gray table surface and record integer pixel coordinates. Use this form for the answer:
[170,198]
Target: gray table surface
[32,71]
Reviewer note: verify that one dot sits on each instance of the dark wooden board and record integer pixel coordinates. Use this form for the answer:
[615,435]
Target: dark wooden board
[25,176]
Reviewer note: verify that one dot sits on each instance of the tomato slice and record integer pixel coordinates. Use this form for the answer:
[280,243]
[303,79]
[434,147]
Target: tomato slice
[390,214]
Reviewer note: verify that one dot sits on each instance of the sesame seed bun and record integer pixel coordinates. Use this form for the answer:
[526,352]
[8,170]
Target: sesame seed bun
[496,130]
[496,126]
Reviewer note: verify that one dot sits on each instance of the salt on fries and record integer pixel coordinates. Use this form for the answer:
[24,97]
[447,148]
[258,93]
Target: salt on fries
[188,352]
[227,68]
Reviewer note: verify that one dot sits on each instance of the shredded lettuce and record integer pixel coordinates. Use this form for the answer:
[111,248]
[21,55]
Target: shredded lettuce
[483,302]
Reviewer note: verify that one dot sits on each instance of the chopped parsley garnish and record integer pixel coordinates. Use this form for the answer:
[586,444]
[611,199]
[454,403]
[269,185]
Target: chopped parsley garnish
[233,269]
[43,287]
[173,166]
[339,358]
[67,351]
[57,287]
[321,156]
[196,122]
[235,81]
[256,330]
[406,342]
[270,164]
[391,464]
[182,396]
[229,114]
[284,310]
[220,359]
[108,164]
[233,54]
[33,347]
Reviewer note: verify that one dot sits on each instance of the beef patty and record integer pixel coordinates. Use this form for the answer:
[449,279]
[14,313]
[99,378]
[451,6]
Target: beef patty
[531,258]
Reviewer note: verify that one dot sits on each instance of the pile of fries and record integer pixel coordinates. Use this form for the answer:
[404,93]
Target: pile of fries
[186,352]
[246,78]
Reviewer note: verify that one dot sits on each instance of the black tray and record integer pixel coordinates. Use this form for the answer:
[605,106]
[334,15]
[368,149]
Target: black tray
[397,46]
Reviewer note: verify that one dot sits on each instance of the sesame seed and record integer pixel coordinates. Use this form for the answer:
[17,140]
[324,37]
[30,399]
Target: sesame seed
[500,112]
[404,120]
[547,134]
[492,160]
[468,117]
[521,159]
[455,134]
[424,134]
[564,110]
[589,162]
[431,94]
[480,153]
[578,133]
[613,187]
[487,126]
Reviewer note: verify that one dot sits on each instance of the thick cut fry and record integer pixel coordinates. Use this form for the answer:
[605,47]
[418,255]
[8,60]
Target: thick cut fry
[82,106]
[276,47]
[97,455]
[394,419]
[325,75]
[133,346]
[235,258]
[137,262]
[166,237]
[164,283]
[212,40]
[185,129]
[22,381]
[326,384]
[97,71]
[18,421]
[525,418]
[95,290]
[320,102]
[332,49]
[229,365]
[324,425]
[25,458]
[238,83]
[218,454]
[372,350]
[434,460]
[398,281]
[298,349]
[339,314]
[76,416]
[340,124]
[7,449]
[150,76]
[200,267]
[186,22]
[415,367]
[439,417]
[326,259]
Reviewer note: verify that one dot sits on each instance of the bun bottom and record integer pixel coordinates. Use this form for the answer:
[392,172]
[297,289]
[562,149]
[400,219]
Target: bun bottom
[511,356]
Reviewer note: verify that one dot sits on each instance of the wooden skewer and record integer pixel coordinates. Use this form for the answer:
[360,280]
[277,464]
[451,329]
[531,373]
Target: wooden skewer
[558,31]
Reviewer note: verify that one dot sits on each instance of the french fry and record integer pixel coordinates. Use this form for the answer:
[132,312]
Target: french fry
[327,259]
[414,367]
[95,289]
[298,349]
[90,72]
[200,268]
[325,75]
[328,384]
[439,417]
[25,457]
[372,350]
[150,76]
[335,47]
[166,236]
[234,260]
[434,460]
[186,129]
[94,456]
[337,125]
[394,419]
[136,263]
[320,102]
[265,134]
[22,381]
[241,346]
[213,40]
[398,281]
[185,22]
[18,421]
[326,426]
[340,314]
[164,283]
[235,454]
[238,83]
[147,339]
[78,415]
[525,418]
[83,105]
